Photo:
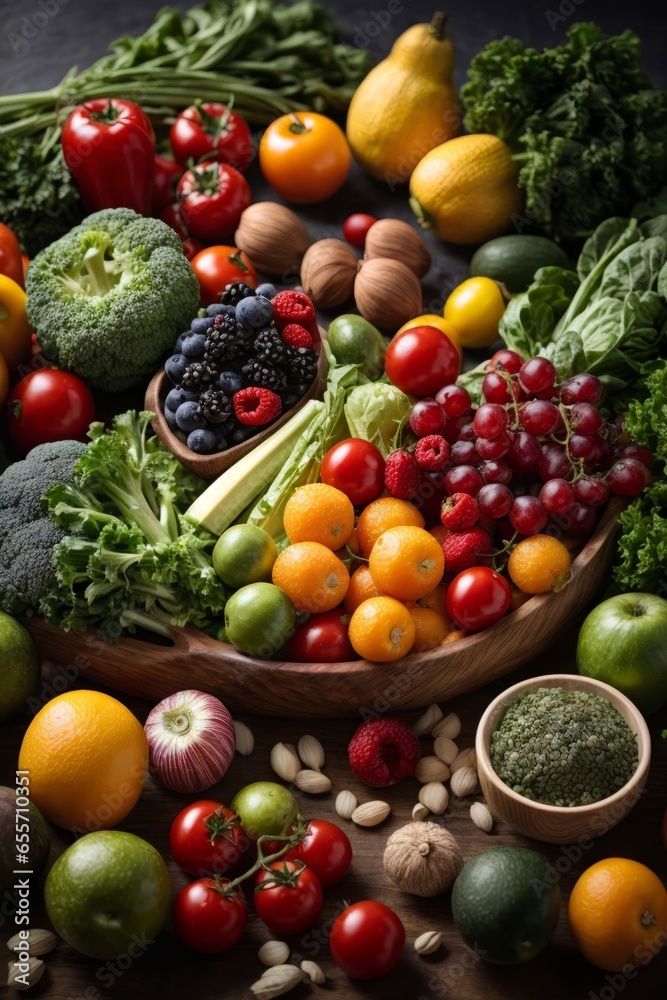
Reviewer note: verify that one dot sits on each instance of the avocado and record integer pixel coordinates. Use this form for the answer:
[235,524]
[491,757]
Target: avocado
[513,260]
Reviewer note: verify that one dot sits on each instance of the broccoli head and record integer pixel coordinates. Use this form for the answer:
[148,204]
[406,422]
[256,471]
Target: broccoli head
[109,298]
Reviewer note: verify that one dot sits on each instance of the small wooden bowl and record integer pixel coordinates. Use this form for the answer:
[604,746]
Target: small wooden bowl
[210,466]
[560,824]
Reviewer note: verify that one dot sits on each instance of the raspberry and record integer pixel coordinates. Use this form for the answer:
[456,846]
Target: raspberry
[296,335]
[401,474]
[459,511]
[255,406]
[294,307]
[461,548]
[382,751]
[432,452]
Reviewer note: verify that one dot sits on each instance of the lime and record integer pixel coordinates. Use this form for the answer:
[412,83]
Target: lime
[259,619]
[19,666]
[244,554]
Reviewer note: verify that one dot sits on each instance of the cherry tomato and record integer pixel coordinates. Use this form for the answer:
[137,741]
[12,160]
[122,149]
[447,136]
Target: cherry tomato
[205,919]
[166,175]
[322,638]
[191,247]
[355,229]
[356,468]
[211,132]
[171,214]
[326,850]
[11,262]
[292,900]
[207,839]
[216,267]
[477,598]
[421,360]
[366,940]
[212,198]
[304,157]
[49,405]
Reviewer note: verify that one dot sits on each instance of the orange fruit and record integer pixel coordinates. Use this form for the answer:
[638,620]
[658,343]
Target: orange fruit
[430,628]
[538,564]
[378,516]
[454,636]
[382,629]
[406,562]
[87,756]
[361,588]
[437,600]
[319,513]
[618,914]
[439,532]
[311,575]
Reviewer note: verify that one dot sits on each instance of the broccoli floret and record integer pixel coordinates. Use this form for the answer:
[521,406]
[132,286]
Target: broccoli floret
[27,535]
[109,298]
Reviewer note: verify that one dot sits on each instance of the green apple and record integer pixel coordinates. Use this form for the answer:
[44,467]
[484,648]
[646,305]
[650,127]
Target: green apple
[108,894]
[624,643]
[265,808]
[38,834]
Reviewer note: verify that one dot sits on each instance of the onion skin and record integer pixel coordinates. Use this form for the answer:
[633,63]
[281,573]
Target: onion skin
[191,741]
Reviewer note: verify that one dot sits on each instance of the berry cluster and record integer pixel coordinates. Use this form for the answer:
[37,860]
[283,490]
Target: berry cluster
[240,365]
[533,456]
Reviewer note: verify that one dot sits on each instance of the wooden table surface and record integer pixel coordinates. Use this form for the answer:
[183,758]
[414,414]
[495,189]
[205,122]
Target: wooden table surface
[169,970]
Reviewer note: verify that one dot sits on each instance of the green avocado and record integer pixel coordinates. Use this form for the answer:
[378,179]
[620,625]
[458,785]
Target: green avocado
[513,260]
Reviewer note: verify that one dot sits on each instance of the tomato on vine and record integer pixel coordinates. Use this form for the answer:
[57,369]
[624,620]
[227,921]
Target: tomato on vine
[288,896]
[207,838]
[326,850]
[208,917]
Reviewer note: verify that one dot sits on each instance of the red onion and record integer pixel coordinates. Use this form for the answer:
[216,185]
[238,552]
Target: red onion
[191,740]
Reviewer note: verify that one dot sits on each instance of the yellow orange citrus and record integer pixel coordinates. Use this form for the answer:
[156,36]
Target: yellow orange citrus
[378,516]
[319,513]
[406,562]
[437,600]
[430,628]
[538,564]
[312,576]
[361,588]
[382,629]
[87,758]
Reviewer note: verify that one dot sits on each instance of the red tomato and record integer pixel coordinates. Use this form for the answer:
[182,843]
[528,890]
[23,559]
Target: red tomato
[207,839]
[366,940]
[211,132]
[356,468]
[166,175]
[49,405]
[212,198]
[191,247]
[477,598]
[171,214]
[326,850]
[292,899]
[421,360]
[205,919]
[11,262]
[217,267]
[355,229]
[322,638]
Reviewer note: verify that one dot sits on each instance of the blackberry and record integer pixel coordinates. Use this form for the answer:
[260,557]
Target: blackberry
[199,375]
[215,405]
[269,346]
[301,365]
[234,292]
[260,374]
[224,341]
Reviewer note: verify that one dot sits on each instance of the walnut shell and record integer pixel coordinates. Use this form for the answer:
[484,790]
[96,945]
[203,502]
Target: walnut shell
[328,271]
[274,237]
[398,240]
[422,859]
[387,293]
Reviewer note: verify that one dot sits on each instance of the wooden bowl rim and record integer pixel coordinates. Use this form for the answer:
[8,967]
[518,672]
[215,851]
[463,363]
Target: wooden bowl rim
[492,716]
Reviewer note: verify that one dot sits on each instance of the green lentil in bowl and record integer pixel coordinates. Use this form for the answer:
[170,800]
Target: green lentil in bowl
[563,747]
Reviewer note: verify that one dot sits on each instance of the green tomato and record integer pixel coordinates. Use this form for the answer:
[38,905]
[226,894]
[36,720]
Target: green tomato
[259,619]
[355,341]
[244,554]
[265,808]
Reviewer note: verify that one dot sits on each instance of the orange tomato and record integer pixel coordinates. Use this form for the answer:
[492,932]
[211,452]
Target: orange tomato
[304,157]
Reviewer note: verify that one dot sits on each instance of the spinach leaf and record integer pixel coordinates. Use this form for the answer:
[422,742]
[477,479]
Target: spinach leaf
[607,236]
[636,268]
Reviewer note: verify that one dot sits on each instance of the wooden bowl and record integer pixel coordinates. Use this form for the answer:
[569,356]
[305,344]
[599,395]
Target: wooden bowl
[210,466]
[556,824]
[310,690]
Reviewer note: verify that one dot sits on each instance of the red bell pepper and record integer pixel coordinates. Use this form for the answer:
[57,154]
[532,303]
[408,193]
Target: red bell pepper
[11,260]
[109,147]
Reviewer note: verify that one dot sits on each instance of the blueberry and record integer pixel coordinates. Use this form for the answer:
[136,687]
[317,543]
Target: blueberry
[267,290]
[200,325]
[179,343]
[242,434]
[170,417]
[179,395]
[221,432]
[194,346]
[201,441]
[217,309]
[230,382]
[189,417]
[174,367]
[254,312]
[289,399]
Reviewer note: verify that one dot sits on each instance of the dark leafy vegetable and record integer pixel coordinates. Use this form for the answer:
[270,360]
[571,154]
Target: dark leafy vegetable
[583,121]
[646,420]
[642,543]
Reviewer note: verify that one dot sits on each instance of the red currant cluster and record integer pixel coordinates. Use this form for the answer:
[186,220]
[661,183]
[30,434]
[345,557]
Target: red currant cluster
[531,452]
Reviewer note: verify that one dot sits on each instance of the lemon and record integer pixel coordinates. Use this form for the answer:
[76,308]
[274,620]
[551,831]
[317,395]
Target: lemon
[466,189]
